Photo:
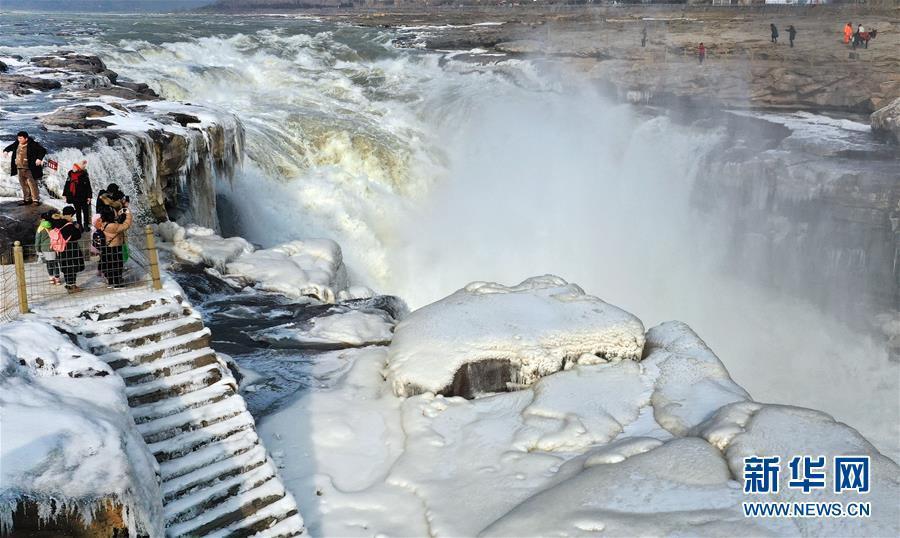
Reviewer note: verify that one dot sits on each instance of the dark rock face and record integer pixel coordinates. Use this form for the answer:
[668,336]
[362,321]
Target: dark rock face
[886,121]
[23,85]
[17,223]
[81,63]
[819,227]
[77,117]
[481,377]
[3,67]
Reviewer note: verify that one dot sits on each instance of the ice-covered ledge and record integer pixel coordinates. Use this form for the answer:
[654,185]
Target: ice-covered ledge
[170,155]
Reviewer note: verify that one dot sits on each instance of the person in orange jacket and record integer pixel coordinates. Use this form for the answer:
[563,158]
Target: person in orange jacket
[848,33]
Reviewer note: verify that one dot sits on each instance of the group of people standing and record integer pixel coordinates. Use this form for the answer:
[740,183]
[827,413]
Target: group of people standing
[859,37]
[792,33]
[58,238]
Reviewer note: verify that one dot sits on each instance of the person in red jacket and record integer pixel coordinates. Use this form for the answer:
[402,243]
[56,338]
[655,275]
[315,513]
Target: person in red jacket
[77,192]
[701,52]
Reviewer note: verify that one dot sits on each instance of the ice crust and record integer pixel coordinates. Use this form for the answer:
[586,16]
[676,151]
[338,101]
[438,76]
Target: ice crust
[351,328]
[308,268]
[625,447]
[67,435]
[540,326]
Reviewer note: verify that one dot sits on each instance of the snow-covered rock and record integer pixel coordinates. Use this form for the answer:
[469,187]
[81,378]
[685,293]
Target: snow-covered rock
[339,330]
[627,448]
[308,268]
[67,435]
[683,487]
[691,382]
[745,429]
[196,244]
[487,335]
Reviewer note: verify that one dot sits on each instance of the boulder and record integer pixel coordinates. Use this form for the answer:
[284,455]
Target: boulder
[17,223]
[3,66]
[77,117]
[886,121]
[488,337]
[81,63]
[23,85]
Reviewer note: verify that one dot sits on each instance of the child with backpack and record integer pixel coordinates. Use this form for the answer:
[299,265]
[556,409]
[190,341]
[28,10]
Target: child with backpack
[43,249]
[64,240]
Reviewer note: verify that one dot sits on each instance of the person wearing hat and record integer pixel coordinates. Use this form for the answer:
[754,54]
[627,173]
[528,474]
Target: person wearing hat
[112,256]
[111,197]
[43,249]
[77,192]
[71,260]
[27,162]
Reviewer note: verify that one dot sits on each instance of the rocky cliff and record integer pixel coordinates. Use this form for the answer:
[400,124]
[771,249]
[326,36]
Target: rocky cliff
[168,156]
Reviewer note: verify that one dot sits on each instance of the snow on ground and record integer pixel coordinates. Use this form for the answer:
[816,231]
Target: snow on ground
[541,326]
[623,447]
[67,434]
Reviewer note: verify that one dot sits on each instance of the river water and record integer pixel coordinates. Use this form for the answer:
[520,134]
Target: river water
[432,170]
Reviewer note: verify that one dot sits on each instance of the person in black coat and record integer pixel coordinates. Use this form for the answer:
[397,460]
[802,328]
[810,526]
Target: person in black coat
[71,260]
[774,31]
[77,192]
[27,162]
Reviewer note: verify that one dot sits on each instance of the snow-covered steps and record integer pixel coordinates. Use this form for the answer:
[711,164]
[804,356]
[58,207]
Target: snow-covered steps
[216,478]
[144,335]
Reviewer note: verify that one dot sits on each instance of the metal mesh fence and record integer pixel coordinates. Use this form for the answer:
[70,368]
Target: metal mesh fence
[65,278]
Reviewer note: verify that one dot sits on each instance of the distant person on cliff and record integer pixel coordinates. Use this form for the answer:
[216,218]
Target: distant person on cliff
[43,249]
[27,162]
[848,33]
[71,260]
[644,37]
[774,33]
[701,53]
[792,33]
[112,254]
[77,192]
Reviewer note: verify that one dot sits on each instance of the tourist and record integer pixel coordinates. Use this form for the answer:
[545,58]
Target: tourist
[77,191]
[644,37]
[774,33]
[701,53]
[42,247]
[27,162]
[71,260]
[848,33]
[111,197]
[112,254]
[792,33]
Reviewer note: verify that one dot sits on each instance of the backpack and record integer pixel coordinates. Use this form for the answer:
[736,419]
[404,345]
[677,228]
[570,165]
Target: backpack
[98,239]
[57,241]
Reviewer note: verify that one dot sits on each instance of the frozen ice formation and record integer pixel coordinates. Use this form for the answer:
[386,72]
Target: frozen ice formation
[301,268]
[68,440]
[486,336]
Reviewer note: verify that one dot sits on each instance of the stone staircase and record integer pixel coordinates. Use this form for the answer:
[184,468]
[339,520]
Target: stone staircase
[217,479]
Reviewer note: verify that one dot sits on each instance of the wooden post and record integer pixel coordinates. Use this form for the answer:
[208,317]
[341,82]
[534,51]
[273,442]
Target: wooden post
[20,277]
[154,259]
